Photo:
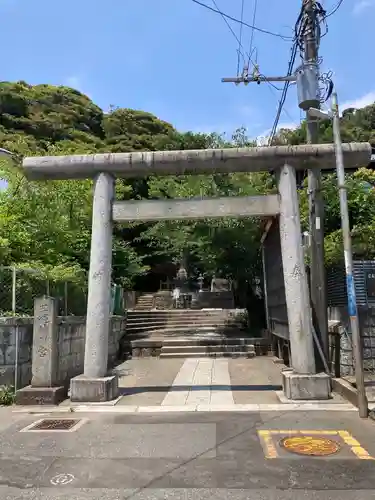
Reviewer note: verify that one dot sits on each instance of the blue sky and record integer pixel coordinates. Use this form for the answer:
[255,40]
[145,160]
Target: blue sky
[168,56]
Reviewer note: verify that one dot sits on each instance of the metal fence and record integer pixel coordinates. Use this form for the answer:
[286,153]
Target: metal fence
[19,287]
[364,277]
[277,315]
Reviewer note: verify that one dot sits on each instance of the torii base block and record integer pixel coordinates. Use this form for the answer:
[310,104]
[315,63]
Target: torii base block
[306,387]
[93,390]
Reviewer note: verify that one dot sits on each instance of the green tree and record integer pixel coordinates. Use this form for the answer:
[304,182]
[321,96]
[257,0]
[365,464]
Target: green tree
[49,224]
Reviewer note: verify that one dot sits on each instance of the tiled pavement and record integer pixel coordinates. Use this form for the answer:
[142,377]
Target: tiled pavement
[193,381]
[203,384]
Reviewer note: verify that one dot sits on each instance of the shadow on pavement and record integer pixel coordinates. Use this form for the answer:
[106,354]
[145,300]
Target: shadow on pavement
[178,388]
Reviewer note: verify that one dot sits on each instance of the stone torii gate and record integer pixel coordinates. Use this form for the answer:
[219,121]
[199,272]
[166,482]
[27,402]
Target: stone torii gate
[302,381]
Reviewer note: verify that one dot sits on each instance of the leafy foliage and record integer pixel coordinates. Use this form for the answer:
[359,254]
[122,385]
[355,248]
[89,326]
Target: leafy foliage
[7,395]
[48,225]
[356,125]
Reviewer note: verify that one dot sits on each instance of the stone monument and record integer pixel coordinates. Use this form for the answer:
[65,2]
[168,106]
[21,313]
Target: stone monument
[220,285]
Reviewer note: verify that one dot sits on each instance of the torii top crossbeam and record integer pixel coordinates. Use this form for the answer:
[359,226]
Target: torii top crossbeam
[206,161]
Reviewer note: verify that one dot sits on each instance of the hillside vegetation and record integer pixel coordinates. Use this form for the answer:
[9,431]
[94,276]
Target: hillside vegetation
[47,225]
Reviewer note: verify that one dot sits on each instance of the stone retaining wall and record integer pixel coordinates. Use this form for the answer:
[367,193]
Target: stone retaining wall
[367,328]
[71,347]
[11,330]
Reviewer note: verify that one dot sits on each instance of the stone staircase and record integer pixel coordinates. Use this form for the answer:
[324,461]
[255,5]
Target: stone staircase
[207,347]
[145,302]
[163,300]
[182,333]
[198,347]
[177,322]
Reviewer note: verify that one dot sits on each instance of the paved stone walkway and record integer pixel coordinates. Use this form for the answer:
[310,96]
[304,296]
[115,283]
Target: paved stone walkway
[210,375]
[205,384]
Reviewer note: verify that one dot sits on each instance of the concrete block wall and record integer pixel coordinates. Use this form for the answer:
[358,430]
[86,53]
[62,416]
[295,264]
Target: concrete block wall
[116,331]
[71,347]
[10,329]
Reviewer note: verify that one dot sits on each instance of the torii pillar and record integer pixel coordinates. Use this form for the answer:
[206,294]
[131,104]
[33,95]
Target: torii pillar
[96,385]
[301,382]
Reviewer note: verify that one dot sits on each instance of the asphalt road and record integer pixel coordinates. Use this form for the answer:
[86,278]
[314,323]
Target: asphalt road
[187,456]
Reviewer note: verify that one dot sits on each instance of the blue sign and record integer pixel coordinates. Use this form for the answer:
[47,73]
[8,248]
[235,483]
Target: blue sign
[352,303]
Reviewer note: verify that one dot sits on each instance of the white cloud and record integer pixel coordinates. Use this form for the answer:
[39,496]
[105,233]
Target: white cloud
[73,81]
[360,102]
[77,82]
[362,5]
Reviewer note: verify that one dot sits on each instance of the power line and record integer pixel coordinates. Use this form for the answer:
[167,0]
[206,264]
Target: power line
[257,76]
[241,50]
[227,16]
[240,40]
[335,9]
[252,31]
[284,93]
[272,85]
[240,53]
[299,30]
[272,89]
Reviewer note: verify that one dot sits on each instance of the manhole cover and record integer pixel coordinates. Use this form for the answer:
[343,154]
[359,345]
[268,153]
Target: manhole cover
[310,445]
[54,424]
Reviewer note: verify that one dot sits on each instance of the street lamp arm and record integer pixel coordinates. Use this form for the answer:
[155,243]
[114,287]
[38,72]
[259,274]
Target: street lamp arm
[318,113]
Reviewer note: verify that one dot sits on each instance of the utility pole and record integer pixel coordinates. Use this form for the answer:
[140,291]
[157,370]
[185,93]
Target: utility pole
[348,256]
[318,289]
[352,302]
[307,79]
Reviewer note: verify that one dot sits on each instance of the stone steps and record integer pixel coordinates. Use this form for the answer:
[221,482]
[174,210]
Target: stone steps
[140,316]
[208,349]
[182,321]
[150,325]
[197,347]
[145,302]
[205,354]
[187,333]
[182,326]
[181,330]
[206,341]
[194,313]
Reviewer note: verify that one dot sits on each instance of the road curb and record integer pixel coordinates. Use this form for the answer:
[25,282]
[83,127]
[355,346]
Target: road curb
[191,409]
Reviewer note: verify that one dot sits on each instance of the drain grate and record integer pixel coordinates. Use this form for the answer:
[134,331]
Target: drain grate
[51,424]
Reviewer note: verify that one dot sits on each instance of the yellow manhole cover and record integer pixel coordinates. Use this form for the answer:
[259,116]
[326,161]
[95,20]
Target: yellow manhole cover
[310,445]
